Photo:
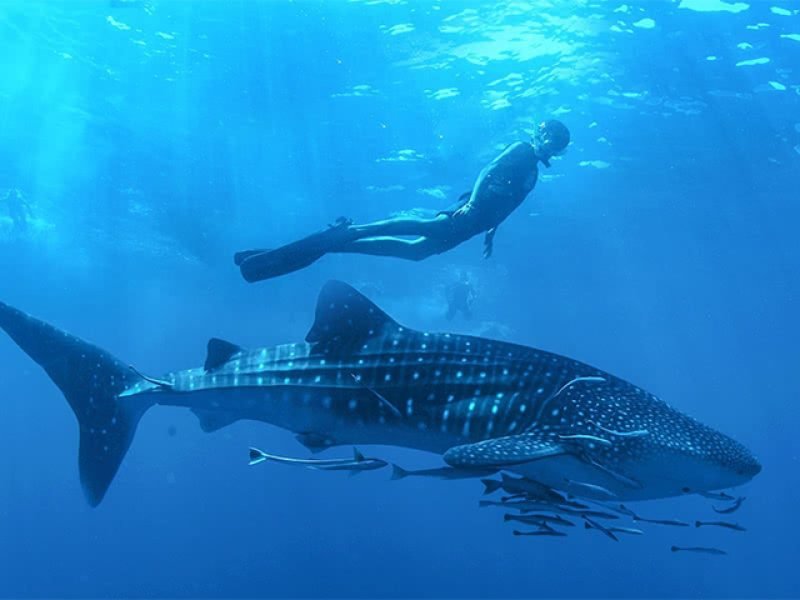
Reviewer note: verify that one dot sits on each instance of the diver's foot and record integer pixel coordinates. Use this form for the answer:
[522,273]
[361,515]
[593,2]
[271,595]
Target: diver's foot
[258,265]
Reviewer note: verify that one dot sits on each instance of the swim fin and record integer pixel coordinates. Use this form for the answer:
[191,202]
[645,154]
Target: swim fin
[240,257]
[257,265]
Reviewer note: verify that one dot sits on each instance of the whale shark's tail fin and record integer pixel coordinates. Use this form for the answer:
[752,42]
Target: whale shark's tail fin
[91,380]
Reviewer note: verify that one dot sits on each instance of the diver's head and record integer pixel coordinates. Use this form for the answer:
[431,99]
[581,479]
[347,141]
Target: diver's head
[551,139]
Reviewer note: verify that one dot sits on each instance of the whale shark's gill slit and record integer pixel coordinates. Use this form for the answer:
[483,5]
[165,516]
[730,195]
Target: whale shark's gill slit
[379,396]
[564,387]
[634,433]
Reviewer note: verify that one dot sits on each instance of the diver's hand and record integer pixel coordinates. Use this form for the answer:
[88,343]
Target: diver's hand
[462,211]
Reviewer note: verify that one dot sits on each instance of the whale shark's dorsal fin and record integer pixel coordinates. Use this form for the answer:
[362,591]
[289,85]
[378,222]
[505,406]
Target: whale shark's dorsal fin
[345,317]
[219,352]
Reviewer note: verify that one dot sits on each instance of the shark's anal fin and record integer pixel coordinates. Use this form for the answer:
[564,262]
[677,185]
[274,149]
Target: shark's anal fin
[345,319]
[219,352]
[504,451]
[213,420]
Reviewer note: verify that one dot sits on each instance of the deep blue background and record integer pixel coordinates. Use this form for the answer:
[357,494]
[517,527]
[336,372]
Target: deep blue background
[153,139]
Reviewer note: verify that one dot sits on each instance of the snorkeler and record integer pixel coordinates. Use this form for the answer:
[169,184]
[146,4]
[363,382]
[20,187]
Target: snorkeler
[500,188]
[460,296]
[17,208]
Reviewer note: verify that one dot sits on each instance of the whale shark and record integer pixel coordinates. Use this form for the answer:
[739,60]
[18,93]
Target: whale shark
[362,378]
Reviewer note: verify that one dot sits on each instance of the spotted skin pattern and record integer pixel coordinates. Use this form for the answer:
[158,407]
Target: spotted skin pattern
[362,378]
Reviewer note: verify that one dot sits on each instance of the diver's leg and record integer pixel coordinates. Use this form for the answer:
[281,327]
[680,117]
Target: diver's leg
[416,249]
[345,237]
[412,226]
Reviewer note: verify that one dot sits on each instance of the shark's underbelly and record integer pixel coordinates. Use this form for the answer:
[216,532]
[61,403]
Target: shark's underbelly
[343,416]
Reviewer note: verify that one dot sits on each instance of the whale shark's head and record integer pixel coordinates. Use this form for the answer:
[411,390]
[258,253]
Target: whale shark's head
[692,457]
[637,446]
[680,455]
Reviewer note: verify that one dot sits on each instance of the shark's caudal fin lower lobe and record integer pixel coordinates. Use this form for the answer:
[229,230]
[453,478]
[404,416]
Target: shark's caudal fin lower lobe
[90,379]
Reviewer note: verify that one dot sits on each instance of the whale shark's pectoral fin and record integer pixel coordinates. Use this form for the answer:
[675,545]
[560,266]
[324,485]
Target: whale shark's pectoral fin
[345,319]
[505,451]
[315,442]
[213,420]
[219,352]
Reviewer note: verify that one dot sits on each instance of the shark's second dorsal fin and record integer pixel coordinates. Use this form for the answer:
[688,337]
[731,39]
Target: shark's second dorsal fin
[219,352]
[345,317]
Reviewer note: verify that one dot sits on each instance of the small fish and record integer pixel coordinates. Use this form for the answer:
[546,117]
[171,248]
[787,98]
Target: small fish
[699,550]
[512,498]
[522,485]
[596,525]
[628,530]
[381,399]
[595,489]
[672,522]
[729,509]
[358,463]
[726,525]
[448,473]
[625,511]
[539,519]
[541,532]
[713,495]
[526,506]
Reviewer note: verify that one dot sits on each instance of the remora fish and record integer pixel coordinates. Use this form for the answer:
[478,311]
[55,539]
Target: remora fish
[539,519]
[358,463]
[361,378]
[673,522]
[729,509]
[725,524]
[440,473]
[595,525]
[541,532]
[529,507]
[533,490]
[596,489]
[628,530]
[699,550]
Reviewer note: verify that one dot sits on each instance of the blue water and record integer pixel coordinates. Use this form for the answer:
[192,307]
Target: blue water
[152,139]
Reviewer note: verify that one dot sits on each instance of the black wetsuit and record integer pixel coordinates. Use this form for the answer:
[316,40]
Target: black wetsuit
[500,188]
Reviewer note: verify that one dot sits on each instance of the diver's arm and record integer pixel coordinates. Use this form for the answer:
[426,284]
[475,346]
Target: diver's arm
[456,206]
